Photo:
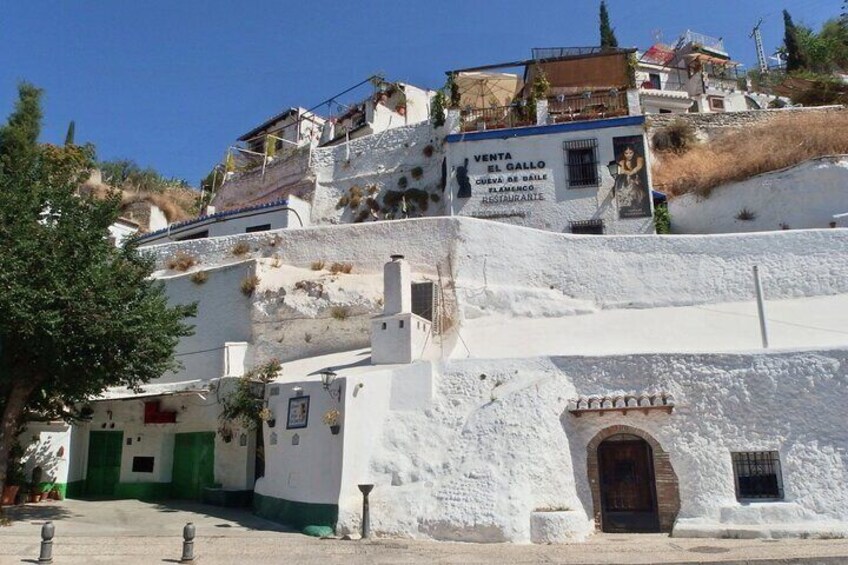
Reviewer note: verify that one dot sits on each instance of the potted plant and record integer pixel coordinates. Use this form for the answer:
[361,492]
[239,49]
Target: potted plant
[333,418]
[401,108]
[226,433]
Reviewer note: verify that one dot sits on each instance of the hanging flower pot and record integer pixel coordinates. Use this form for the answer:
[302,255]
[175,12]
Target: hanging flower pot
[401,109]
[335,429]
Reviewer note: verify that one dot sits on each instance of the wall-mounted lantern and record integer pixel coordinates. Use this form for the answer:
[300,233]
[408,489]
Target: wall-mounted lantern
[613,169]
[328,377]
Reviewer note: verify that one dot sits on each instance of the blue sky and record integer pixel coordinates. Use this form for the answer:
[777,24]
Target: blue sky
[172,83]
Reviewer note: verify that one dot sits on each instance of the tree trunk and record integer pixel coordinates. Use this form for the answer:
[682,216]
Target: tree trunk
[13,408]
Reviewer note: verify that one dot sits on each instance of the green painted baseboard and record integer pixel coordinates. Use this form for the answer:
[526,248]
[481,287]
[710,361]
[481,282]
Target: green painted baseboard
[143,491]
[47,487]
[295,514]
[75,489]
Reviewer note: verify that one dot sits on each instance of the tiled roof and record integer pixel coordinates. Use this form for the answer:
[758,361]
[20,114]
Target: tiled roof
[212,217]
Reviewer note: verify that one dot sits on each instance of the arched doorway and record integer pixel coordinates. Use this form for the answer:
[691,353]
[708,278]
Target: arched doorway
[627,485]
[655,496]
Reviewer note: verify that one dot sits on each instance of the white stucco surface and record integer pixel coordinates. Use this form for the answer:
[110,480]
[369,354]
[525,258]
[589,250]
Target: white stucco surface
[800,197]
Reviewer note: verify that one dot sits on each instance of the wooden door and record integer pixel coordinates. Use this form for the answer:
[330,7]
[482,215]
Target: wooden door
[628,491]
[104,463]
[194,464]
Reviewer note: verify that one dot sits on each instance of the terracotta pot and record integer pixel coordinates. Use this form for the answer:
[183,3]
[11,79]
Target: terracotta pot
[34,497]
[10,492]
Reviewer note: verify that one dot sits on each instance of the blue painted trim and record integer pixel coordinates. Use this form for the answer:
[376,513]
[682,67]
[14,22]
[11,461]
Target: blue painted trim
[545,130]
[216,216]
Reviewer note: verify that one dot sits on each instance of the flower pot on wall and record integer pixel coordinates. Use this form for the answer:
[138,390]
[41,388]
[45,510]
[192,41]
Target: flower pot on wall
[335,429]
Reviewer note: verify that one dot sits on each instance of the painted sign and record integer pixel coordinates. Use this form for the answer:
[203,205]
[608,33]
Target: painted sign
[632,192]
[504,179]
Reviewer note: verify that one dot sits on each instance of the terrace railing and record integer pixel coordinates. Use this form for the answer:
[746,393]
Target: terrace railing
[590,106]
[496,117]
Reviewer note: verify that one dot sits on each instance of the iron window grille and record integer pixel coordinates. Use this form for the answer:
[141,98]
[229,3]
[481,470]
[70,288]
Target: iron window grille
[582,162]
[757,475]
[588,227]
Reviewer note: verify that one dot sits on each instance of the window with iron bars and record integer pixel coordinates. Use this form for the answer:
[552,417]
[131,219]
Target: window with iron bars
[757,475]
[581,157]
[588,227]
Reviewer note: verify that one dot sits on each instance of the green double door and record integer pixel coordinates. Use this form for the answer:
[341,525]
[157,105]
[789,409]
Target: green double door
[194,464]
[104,463]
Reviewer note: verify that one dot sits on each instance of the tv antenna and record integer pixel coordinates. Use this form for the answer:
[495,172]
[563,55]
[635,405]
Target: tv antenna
[758,40]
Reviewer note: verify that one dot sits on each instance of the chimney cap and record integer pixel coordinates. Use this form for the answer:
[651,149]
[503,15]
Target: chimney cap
[396,257]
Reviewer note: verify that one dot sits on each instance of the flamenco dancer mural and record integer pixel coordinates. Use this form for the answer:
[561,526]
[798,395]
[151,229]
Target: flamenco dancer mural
[632,192]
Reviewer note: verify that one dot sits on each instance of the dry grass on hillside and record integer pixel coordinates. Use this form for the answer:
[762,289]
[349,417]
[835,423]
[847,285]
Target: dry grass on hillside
[782,142]
[176,203]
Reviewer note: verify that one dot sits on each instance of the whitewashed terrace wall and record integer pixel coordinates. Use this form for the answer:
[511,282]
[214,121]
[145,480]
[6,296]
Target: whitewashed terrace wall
[380,159]
[804,196]
[496,441]
[501,266]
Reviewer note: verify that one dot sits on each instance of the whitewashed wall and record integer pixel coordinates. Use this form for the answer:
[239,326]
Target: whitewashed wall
[47,445]
[196,412]
[495,441]
[378,160]
[556,204]
[804,196]
[223,315]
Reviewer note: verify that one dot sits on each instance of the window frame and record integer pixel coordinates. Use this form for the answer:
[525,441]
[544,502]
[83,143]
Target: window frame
[587,174]
[748,459]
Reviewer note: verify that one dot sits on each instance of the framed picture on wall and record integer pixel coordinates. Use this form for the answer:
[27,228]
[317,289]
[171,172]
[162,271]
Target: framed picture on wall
[298,416]
[632,193]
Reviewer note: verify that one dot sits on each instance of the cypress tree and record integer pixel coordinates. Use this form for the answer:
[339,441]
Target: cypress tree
[608,39]
[795,58]
[69,137]
[19,136]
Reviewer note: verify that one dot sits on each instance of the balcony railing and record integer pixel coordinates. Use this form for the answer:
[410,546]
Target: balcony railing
[497,117]
[589,106]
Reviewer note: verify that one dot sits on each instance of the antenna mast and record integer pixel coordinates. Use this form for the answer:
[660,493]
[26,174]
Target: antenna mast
[761,54]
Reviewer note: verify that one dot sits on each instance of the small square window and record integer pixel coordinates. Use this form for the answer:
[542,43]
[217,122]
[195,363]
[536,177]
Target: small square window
[400,324]
[757,475]
[384,325]
[142,464]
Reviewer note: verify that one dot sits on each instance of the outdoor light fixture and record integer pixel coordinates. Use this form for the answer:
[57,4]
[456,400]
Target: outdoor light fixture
[613,168]
[328,377]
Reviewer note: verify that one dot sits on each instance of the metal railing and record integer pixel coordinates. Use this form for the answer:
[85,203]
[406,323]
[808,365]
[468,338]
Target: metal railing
[589,106]
[496,117]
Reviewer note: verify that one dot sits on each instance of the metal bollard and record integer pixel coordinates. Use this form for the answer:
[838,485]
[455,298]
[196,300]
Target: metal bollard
[188,544]
[366,511]
[46,553]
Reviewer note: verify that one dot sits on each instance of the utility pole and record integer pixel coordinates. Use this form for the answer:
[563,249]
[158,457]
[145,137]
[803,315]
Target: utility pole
[758,40]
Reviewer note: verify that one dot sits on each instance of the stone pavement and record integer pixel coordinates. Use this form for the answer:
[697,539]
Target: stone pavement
[129,532]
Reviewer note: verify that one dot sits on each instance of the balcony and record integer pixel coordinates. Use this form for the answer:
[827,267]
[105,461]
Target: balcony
[587,106]
[496,117]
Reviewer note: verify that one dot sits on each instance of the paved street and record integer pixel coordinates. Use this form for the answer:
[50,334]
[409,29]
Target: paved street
[131,532]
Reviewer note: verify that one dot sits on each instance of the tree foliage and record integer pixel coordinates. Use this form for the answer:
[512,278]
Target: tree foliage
[608,39]
[128,175]
[244,404]
[77,315]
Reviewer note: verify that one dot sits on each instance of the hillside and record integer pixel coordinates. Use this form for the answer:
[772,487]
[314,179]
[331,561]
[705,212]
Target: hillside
[783,141]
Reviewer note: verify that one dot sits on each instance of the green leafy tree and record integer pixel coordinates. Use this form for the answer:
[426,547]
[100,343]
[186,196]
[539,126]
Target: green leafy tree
[608,39]
[77,315]
[795,58]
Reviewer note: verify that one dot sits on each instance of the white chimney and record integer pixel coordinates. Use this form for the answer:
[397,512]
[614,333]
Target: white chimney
[397,289]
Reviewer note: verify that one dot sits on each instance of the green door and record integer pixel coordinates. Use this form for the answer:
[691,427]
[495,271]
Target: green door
[104,463]
[194,462]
